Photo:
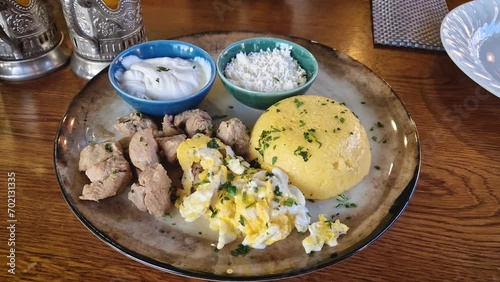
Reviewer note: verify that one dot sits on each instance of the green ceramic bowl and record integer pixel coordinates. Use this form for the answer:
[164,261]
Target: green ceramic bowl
[262,100]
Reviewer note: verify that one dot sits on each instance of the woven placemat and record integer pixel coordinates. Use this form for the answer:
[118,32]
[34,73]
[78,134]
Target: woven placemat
[408,23]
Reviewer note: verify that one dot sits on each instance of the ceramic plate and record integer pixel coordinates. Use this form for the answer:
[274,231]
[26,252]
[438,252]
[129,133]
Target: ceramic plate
[471,36]
[188,249]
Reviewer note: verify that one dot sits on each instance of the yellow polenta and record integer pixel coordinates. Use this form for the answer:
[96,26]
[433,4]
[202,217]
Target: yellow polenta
[317,141]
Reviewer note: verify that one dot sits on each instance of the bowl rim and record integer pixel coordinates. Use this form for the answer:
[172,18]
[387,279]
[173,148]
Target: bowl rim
[476,70]
[208,84]
[275,93]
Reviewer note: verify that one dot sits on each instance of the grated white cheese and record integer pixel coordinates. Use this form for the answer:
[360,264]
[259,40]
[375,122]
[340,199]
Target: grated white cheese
[266,71]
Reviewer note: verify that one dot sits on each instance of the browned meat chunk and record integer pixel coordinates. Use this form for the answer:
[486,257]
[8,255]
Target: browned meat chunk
[235,134]
[143,149]
[169,146]
[94,154]
[106,168]
[136,121]
[152,193]
[194,121]
[169,129]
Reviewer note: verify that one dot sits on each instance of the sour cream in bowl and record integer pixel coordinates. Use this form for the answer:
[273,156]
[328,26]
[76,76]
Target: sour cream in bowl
[163,77]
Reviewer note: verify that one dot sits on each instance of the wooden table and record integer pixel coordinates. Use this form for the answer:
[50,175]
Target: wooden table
[450,230]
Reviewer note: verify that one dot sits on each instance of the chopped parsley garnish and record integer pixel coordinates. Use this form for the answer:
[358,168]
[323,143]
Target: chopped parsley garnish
[303,153]
[108,148]
[301,123]
[374,138]
[252,204]
[310,137]
[342,197]
[201,183]
[230,188]
[194,66]
[377,167]
[265,137]
[115,171]
[363,103]
[289,202]
[298,103]
[310,200]
[342,120]
[157,79]
[344,201]
[274,160]
[274,129]
[242,220]
[244,196]
[141,139]
[214,212]
[225,198]
[329,222]
[219,117]
[241,250]
[277,191]
[212,144]
[169,215]
[379,124]
[161,68]
[276,79]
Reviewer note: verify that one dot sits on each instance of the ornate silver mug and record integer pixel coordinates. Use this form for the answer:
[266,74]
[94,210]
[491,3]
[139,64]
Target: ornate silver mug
[99,33]
[30,43]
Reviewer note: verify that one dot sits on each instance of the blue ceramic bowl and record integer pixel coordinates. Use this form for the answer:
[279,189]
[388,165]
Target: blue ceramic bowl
[262,100]
[155,49]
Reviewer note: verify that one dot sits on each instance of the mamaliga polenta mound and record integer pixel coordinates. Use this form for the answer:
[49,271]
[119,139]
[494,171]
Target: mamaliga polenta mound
[317,141]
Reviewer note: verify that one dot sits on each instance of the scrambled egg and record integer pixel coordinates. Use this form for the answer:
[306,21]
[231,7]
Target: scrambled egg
[240,201]
[323,231]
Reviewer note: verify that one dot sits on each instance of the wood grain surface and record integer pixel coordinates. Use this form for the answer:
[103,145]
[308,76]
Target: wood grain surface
[449,232]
